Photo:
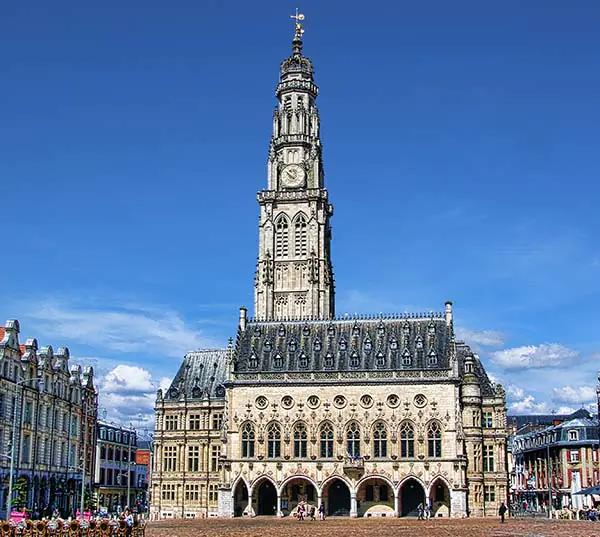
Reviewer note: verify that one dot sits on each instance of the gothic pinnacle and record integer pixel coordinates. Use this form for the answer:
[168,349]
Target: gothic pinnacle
[297,42]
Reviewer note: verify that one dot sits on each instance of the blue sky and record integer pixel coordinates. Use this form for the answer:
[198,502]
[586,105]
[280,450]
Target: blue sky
[461,151]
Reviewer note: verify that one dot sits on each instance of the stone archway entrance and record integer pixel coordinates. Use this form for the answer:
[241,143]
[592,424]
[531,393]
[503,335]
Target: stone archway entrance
[375,498]
[295,491]
[240,499]
[266,499]
[439,497]
[411,495]
[338,498]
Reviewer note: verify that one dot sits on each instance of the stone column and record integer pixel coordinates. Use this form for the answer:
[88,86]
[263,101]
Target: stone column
[279,513]
[353,506]
[396,503]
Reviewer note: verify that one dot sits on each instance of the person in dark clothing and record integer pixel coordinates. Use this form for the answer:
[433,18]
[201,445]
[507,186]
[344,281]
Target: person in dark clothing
[502,512]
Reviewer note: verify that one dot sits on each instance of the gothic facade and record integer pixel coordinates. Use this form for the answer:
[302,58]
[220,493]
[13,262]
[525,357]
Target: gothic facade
[369,416]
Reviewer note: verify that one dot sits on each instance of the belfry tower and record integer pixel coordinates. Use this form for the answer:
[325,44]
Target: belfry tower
[294,276]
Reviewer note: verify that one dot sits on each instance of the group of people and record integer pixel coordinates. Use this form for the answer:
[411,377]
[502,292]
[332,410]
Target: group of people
[305,510]
[424,511]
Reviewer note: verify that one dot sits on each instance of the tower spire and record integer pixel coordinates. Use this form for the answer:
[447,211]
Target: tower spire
[294,274]
[298,31]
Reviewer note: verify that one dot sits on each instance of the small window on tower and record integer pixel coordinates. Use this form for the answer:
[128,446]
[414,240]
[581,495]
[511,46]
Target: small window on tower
[300,101]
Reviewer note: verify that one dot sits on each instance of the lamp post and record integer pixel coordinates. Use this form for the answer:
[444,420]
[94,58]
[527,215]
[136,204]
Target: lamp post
[549,476]
[20,382]
[85,415]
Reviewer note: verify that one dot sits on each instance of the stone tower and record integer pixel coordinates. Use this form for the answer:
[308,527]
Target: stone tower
[294,276]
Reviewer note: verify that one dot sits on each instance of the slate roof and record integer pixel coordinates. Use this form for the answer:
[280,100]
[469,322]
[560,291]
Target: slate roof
[201,375]
[521,420]
[408,342]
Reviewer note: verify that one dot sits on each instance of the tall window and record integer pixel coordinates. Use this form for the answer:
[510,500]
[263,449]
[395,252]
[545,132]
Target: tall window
[171,423]
[300,440]
[215,453]
[488,458]
[248,440]
[300,236]
[169,458]
[195,422]
[273,441]
[487,420]
[281,237]
[434,438]
[326,441]
[217,421]
[193,458]
[380,440]
[407,440]
[353,440]
[489,493]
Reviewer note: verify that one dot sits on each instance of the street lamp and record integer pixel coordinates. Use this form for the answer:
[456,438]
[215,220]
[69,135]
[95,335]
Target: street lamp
[20,382]
[85,414]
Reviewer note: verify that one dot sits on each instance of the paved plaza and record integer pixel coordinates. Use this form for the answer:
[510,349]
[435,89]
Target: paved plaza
[390,527]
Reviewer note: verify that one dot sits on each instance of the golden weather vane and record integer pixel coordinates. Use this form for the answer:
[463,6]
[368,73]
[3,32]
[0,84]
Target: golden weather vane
[298,17]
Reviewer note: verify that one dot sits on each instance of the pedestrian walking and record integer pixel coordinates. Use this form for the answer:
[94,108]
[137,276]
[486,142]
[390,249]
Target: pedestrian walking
[502,512]
[322,511]
[420,510]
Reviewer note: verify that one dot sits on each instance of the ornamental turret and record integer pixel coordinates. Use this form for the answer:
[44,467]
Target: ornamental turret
[294,276]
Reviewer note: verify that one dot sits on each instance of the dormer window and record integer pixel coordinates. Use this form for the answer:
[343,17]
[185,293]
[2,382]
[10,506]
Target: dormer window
[573,435]
[253,362]
[292,345]
[328,360]
[354,361]
[303,360]
[278,361]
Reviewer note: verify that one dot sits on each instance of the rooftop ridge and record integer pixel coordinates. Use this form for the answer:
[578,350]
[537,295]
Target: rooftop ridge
[356,317]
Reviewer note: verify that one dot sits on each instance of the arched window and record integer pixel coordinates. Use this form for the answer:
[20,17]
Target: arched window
[273,441]
[326,441]
[248,440]
[300,236]
[353,440]
[407,440]
[300,440]
[281,237]
[380,440]
[434,439]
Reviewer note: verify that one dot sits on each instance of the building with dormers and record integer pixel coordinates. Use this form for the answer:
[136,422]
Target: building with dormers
[560,458]
[55,405]
[369,416]
[119,480]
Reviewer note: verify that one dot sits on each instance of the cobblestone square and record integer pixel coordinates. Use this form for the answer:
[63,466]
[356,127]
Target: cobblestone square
[391,527]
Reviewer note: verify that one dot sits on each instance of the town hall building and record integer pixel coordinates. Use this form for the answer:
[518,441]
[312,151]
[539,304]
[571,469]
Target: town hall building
[365,415]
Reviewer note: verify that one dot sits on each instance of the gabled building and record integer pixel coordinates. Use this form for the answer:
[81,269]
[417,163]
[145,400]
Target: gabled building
[48,412]
[368,415]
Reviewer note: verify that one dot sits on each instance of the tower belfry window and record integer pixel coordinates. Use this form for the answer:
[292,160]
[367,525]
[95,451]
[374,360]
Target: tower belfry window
[300,236]
[281,237]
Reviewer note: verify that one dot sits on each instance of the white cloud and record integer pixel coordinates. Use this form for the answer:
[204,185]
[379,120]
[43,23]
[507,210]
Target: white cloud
[528,405]
[128,393]
[482,338]
[128,379]
[125,329]
[534,356]
[574,394]
[515,392]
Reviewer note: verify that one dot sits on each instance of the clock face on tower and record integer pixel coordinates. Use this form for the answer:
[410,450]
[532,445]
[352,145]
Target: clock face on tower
[293,176]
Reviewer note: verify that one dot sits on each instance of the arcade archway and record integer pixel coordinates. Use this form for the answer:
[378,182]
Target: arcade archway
[375,497]
[296,490]
[411,495]
[240,499]
[439,497]
[337,498]
[266,498]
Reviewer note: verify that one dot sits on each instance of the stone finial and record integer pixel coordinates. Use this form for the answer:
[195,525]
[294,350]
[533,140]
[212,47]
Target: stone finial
[243,318]
[12,326]
[448,313]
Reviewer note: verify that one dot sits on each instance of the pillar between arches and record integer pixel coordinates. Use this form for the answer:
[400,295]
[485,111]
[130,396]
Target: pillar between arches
[279,513]
[353,505]
[396,503]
